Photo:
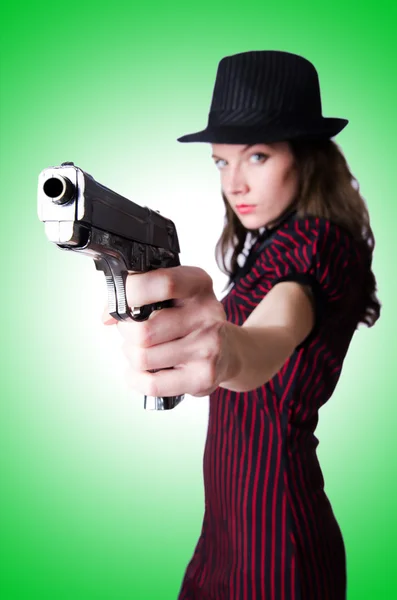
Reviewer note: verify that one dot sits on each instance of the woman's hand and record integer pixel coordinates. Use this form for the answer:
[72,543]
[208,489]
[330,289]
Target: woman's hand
[190,336]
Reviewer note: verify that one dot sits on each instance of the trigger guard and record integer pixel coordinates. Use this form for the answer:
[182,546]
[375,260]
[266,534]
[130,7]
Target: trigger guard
[142,313]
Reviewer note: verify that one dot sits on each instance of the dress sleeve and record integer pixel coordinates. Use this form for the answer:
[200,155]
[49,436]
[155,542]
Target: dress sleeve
[319,253]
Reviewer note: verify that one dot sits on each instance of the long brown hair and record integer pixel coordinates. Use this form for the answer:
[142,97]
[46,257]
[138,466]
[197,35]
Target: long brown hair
[326,189]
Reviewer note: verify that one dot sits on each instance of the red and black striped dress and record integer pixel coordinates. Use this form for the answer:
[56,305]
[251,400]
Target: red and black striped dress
[269,532]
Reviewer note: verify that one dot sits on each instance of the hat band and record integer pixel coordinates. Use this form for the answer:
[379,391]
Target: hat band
[245,116]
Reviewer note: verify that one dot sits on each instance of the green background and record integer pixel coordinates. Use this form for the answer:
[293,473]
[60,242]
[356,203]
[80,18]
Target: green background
[100,499]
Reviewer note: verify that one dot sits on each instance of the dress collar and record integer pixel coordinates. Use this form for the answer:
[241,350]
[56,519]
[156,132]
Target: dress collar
[264,238]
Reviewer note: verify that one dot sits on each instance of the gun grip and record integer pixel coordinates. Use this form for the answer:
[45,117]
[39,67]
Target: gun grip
[119,309]
[156,402]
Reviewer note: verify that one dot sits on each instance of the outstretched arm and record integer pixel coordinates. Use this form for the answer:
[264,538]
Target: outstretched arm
[259,348]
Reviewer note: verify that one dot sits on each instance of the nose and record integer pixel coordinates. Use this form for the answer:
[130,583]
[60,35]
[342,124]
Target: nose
[234,182]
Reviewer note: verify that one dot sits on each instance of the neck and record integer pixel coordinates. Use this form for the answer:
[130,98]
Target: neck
[289,211]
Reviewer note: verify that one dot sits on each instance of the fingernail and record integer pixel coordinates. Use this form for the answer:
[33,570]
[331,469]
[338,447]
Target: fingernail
[109,321]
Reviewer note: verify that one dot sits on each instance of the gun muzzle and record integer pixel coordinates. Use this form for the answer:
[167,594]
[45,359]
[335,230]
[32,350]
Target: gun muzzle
[60,189]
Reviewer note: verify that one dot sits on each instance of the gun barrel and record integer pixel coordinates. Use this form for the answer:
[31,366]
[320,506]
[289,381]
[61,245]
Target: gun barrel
[67,193]
[60,189]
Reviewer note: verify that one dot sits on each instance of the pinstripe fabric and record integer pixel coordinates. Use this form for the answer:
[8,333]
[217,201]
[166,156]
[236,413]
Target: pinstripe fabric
[269,531]
[254,85]
[264,96]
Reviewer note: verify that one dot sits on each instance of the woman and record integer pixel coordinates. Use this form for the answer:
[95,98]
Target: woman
[269,532]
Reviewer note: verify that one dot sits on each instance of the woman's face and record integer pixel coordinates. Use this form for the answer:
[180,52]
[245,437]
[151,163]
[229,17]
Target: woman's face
[263,175]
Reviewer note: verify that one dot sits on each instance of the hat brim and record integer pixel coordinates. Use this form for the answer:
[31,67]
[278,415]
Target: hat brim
[326,127]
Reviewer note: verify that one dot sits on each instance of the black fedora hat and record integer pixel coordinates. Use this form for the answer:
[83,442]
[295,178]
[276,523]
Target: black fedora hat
[265,96]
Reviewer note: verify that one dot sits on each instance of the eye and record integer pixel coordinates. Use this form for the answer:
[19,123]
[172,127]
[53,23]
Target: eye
[218,161]
[261,156]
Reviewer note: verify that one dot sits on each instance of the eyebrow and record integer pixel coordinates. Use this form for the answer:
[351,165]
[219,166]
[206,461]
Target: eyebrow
[243,150]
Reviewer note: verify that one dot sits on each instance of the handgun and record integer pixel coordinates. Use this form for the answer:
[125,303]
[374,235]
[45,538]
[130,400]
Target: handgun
[122,237]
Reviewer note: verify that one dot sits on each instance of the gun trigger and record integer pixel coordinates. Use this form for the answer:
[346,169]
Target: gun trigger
[116,278]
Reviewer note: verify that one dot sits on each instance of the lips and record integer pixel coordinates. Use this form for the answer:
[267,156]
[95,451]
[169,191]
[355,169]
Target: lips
[244,209]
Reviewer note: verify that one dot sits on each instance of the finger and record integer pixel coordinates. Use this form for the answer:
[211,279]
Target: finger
[163,325]
[170,324]
[162,284]
[147,288]
[168,382]
[194,379]
[162,356]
